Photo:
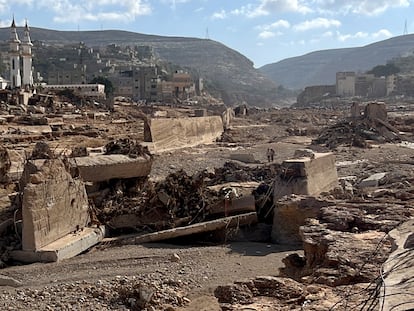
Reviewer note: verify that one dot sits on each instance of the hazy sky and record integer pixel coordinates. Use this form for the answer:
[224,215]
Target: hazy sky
[265,31]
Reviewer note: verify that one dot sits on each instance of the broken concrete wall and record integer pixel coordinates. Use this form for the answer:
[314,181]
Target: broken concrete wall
[53,204]
[173,133]
[310,175]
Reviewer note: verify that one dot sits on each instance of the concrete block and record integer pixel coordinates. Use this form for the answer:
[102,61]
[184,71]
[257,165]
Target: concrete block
[243,157]
[53,206]
[105,167]
[290,213]
[307,175]
[174,133]
[373,180]
[66,247]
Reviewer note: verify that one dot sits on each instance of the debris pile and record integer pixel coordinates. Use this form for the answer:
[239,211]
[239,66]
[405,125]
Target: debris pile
[128,147]
[41,151]
[180,199]
[233,171]
[140,204]
[5,164]
[359,129]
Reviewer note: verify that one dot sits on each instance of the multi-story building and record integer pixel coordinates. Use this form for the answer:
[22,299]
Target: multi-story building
[345,83]
[350,84]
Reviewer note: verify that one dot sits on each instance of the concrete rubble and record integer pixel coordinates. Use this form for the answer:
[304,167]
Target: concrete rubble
[360,129]
[85,184]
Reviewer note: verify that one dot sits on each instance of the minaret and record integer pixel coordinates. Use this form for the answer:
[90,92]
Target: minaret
[27,72]
[14,53]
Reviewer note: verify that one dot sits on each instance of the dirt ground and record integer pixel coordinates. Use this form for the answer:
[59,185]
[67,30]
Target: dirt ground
[185,276]
[198,271]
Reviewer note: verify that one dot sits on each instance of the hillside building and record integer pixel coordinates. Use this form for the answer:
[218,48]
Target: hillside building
[145,83]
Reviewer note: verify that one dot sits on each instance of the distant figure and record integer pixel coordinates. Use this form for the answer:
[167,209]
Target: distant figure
[269,155]
[272,154]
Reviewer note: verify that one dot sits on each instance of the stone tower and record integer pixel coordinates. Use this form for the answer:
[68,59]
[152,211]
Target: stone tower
[14,53]
[26,54]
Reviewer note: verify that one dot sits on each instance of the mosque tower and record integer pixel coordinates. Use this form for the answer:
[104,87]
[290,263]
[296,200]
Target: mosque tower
[14,53]
[26,53]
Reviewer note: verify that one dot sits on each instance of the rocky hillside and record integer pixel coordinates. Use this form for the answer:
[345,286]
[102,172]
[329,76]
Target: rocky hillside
[320,67]
[227,73]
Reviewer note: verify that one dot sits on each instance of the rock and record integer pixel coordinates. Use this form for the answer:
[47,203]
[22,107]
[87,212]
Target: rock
[340,258]
[9,281]
[234,293]
[278,287]
[373,181]
[175,258]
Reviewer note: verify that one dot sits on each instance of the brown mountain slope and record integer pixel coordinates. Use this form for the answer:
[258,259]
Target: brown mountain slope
[320,67]
[227,72]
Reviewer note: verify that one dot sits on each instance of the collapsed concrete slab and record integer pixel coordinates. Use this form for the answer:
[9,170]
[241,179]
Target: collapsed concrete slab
[308,175]
[243,157]
[174,133]
[105,167]
[53,203]
[66,247]
[208,226]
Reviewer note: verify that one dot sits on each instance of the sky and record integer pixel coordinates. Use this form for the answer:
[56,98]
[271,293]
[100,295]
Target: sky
[265,31]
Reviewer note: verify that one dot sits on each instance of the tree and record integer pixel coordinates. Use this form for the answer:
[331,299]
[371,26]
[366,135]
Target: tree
[384,70]
[109,88]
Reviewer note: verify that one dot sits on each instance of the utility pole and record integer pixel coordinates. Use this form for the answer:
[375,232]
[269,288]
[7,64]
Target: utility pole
[405,28]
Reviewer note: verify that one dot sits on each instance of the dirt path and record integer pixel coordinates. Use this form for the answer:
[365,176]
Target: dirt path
[197,270]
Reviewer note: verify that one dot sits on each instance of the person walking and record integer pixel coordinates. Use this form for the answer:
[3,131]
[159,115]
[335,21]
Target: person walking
[269,155]
[272,154]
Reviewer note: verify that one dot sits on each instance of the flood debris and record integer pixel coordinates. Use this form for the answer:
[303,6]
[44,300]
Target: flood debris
[5,164]
[359,129]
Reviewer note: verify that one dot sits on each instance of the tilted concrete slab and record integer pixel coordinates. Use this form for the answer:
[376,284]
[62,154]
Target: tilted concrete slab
[105,167]
[398,271]
[53,203]
[66,247]
[174,133]
[307,175]
[373,180]
[207,226]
